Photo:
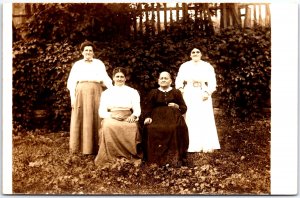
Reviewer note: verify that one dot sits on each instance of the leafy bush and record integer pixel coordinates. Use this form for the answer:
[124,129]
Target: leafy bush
[43,60]
[40,72]
[243,67]
[78,21]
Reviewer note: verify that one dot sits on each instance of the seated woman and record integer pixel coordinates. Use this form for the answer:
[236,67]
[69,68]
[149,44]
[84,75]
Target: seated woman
[119,133]
[165,133]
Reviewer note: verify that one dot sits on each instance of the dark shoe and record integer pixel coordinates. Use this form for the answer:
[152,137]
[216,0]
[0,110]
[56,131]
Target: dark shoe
[184,162]
[190,164]
[178,164]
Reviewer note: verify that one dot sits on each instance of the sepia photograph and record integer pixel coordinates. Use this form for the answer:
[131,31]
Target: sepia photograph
[137,98]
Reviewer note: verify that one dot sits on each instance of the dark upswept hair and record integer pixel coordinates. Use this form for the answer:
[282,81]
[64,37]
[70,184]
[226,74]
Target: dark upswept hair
[119,69]
[87,43]
[191,49]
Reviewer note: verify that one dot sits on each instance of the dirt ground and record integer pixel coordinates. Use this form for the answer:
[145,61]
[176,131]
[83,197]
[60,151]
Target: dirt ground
[42,164]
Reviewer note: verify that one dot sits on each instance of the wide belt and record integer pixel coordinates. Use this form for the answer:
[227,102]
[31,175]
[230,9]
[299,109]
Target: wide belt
[89,81]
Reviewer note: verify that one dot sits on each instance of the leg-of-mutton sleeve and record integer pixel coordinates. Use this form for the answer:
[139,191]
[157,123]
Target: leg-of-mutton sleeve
[72,82]
[212,83]
[119,98]
[180,78]
[136,106]
[104,76]
[104,105]
[201,71]
[82,71]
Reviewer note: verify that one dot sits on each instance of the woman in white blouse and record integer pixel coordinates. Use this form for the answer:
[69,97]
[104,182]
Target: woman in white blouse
[119,133]
[196,80]
[85,82]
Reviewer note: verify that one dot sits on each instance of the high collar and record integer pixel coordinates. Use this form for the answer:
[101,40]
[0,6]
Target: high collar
[119,87]
[196,62]
[88,61]
[165,90]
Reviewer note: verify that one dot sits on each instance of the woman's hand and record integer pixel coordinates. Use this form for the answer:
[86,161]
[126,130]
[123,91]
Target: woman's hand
[181,90]
[72,101]
[119,117]
[172,104]
[148,121]
[131,119]
[205,95]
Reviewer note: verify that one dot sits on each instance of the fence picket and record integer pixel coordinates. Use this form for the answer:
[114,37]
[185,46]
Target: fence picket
[177,12]
[158,17]
[150,22]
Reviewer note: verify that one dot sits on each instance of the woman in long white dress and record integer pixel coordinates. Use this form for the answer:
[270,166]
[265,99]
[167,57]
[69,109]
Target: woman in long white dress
[196,80]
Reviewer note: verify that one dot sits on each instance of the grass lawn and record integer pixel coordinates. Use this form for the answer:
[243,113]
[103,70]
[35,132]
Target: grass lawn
[42,164]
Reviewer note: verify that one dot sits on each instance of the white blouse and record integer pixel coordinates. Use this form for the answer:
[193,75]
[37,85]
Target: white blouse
[201,71]
[119,97]
[89,71]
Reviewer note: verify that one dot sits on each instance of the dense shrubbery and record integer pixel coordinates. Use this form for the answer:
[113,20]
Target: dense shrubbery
[242,62]
[78,21]
[243,67]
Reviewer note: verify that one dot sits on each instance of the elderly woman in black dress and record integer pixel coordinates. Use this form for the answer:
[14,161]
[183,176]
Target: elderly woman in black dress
[165,132]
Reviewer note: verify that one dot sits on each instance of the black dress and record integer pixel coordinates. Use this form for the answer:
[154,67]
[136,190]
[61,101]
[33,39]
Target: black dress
[166,139]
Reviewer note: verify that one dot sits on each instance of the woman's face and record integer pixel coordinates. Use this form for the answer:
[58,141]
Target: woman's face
[119,79]
[196,54]
[164,80]
[88,53]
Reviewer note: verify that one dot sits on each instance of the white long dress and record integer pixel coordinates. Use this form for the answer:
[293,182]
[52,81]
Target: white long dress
[197,78]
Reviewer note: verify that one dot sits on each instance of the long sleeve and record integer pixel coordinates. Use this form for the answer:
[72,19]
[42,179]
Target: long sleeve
[180,101]
[211,79]
[71,83]
[179,82]
[148,105]
[105,78]
[136,106]
[94,71]
[103,107]
[203,72]
[119,98]
[213,82]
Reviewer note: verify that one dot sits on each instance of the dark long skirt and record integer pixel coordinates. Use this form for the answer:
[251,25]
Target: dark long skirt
[85,121]
[166,139]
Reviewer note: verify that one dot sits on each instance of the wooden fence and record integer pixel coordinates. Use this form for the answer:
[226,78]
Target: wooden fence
[21,12]
[156,17]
